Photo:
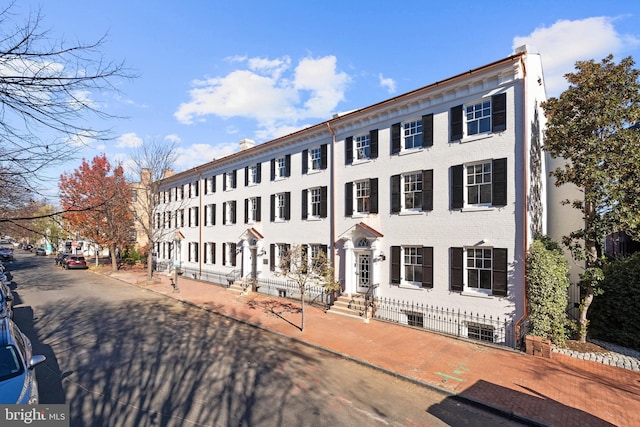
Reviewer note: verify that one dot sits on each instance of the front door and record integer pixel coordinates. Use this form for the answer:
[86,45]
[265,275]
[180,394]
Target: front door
[363,271]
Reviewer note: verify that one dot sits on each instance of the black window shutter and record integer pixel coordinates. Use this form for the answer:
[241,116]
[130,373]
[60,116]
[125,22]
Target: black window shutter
[323,156]
[499,182]
[246,211]
[213,184]
[287,205]
[427,267]
[273,207]
[427,130]
[213,253]
[427,190]
[395,194]
[323,202]
[323,249]
[348,199]
[395,138]
[305,200]
[246,176]
[395,265]
[373,143]
[197,216]
[259,173]
[224,182]
[273,169]
[224,253]
[234,255]
[305,161]
[499,271]
[348,150]
[213,214]
[235,178]
[457,269]
[457,187]
[287,164]
[499,112]
[272,257]
[224,213]
[373,195]
[456,123]
[233,212]
[258,208]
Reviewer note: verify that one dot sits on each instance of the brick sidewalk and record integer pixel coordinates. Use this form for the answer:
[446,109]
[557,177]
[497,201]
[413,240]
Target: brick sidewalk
[561,391]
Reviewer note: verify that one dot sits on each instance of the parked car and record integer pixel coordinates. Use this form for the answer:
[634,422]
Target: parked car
[74,261]
[6,254]
[40,251]
[17,375]
[6,301]
[60,258]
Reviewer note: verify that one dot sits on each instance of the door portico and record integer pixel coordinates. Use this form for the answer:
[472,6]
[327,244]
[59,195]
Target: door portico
[362,255]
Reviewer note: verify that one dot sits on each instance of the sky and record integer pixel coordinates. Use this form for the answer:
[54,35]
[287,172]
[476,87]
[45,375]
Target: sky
[211,73]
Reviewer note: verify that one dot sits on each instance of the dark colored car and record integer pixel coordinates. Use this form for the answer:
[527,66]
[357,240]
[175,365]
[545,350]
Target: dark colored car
[6,254]
[17,377]
[40,251]
[60,258]
[74,261]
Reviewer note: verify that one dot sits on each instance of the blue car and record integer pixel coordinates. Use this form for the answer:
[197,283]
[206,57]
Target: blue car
[17,374]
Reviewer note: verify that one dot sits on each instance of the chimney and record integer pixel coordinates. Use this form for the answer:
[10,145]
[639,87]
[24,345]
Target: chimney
[145,176]
[246,143]
[168,173]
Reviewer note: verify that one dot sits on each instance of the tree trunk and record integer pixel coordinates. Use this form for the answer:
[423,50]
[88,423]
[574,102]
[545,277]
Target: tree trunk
[149,264]
[302,305]
[114,259]
[591,253]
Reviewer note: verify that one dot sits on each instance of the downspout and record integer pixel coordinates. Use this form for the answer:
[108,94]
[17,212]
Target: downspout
[332,192]
[200,191]
[525,183]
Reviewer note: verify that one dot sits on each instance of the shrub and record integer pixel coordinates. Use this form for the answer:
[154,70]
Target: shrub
[547,283]
[615,315]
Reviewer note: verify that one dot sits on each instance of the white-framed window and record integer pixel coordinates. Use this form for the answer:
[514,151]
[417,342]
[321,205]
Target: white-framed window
[253,206]
[412,264]
[229,212]
[478,117]
[252,175]
[193,216]
[281,251]
[478,184]
[230,180]
[412,134]
[280,167]
[179,218]
[281,206]
[210,185]
[479,268]
[209,253]
[412,191]
[193,189]
[315,158]
[193,251]
[362,195]
[315,202]
[230,254]
[480,332]
[361,147]
[210,214]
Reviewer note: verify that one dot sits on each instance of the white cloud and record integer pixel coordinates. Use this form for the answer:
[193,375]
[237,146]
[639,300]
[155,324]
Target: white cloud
[387,83]
[565,42]
[128,140]
[173,138]
[269,91]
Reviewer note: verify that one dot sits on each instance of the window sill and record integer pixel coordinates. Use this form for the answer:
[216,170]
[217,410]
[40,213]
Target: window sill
[410,151]
[360,161]
[474,138]
[470,293]
[411,286]
[409,213]
[314,218]
[313,171]
[360,215]
[478,208]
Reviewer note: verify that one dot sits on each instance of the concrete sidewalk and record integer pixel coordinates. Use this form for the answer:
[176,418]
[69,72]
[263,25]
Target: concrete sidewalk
[561,391]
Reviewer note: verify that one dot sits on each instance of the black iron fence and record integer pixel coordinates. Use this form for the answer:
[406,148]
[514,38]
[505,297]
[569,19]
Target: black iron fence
[289,289]
[448,321]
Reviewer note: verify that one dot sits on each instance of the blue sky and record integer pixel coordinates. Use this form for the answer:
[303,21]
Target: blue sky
[212,73]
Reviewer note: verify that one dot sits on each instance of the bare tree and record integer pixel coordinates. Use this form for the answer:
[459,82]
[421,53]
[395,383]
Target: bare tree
[46,89]
[307,271]
[151,161]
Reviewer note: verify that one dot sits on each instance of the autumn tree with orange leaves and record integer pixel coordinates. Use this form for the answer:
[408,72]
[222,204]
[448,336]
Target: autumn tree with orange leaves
[96,201]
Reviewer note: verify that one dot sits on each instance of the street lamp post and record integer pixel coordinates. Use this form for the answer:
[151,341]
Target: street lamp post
[177,238]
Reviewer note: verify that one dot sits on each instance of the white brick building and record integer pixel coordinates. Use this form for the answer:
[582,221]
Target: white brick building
[433,195]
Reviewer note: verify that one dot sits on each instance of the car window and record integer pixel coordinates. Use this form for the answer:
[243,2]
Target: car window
[10,363]
[80,258]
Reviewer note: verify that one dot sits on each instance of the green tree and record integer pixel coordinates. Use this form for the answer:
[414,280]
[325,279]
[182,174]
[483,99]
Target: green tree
[307,271]
[590,127]
[547,284]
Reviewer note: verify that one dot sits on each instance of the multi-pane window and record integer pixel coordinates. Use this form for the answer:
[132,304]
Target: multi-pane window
[281,167]
[479,268]
[193,216]
[193,251]
[281,206]
[253,206]
[315,202]
[315,157]
[209,253]
[412,190]
[229,212]
[193,189]
[362,149]
[478,117]
[230,180]
[480,332]
[252,174]
[229,254]
[210,214]
[479,184]
[362,196]
[210,185]
[412,133]
[412,261]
